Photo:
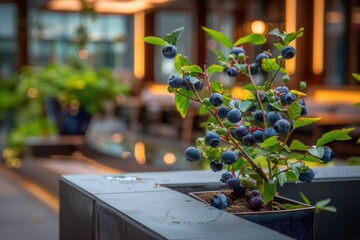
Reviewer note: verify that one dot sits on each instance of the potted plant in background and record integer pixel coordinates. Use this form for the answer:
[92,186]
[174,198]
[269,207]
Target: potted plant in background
[251,137]
[60,100]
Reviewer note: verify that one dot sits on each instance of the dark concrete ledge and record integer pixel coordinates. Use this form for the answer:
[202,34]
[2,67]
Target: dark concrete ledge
[153,205]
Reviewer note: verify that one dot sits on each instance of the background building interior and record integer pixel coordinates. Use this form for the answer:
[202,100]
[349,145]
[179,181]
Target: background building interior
[141,130]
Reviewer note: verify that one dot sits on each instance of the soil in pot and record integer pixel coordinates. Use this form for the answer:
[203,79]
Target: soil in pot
[297,223]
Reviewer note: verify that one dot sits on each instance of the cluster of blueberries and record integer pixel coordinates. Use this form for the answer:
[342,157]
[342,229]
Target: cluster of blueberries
[220,200]
[287,52]
[276,123]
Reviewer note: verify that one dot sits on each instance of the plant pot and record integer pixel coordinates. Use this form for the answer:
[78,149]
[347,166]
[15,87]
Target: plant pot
[69,122]
[297,223]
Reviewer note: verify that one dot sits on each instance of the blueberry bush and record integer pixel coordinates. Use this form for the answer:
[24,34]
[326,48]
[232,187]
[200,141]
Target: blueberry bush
[249,138]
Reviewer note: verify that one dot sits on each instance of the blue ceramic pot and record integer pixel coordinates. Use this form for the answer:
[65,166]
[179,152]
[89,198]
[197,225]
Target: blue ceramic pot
[69,122]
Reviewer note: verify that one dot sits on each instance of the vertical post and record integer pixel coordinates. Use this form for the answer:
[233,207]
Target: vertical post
[22,39]
[201,13]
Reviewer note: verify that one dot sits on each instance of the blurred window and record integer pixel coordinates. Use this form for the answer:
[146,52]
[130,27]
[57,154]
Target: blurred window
[57,37]
[8,34]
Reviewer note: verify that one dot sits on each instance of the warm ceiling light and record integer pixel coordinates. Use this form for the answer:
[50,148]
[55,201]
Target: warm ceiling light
[169,158]
[65,5]
[105,6]
[126,7]
[258,26]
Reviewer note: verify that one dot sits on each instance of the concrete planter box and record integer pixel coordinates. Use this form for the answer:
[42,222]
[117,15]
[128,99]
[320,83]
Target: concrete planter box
[155,205]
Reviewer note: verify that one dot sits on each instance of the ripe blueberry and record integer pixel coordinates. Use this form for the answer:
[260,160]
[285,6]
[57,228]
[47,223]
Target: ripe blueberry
[169,51]
[232,72]
[288,52]
[187,84]
[212,139]
[216,99]
[233,183]
[248,140]
[234,115]
[303,110]
[241,131]
[175,81]
[219,201]
[282,89]
[258,136]
[282,126]
[255,193]
[256,203]
[237,51]
[254,68]
[216,166]
[192,154]
[253,107]
[260,57]
[222,111]
[328,154]
[229,157]
[239,191]
[258,116]
[269,132]
[225,176]
[307,176]
[288,98]
[272,117]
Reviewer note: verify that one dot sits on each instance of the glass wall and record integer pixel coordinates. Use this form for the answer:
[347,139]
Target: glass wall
[105,40]
[8,36]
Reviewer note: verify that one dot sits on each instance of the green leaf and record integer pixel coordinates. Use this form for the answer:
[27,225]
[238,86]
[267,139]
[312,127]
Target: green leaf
[249,87]
[271,141]
[241,67]
[219,37]
[317,151]
[323,203]
[180,61]
[356,76]
[281,178]
[182,102]
[193,69]
[291,176]
[294,110]
[254,38]
[174,36]
[279,46]
[215,68]
[155,41]
[220,55]
[277,106]
[203,110]
[277,33]
[245,105]
[357,104]
[339,135]
[269,191]
[301,122]
[289,206]
[235,103]
[217,86]
[292,36]
[297,145]
[330,209]
[298,93]
[270,65]
[213,153]
[304,198]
